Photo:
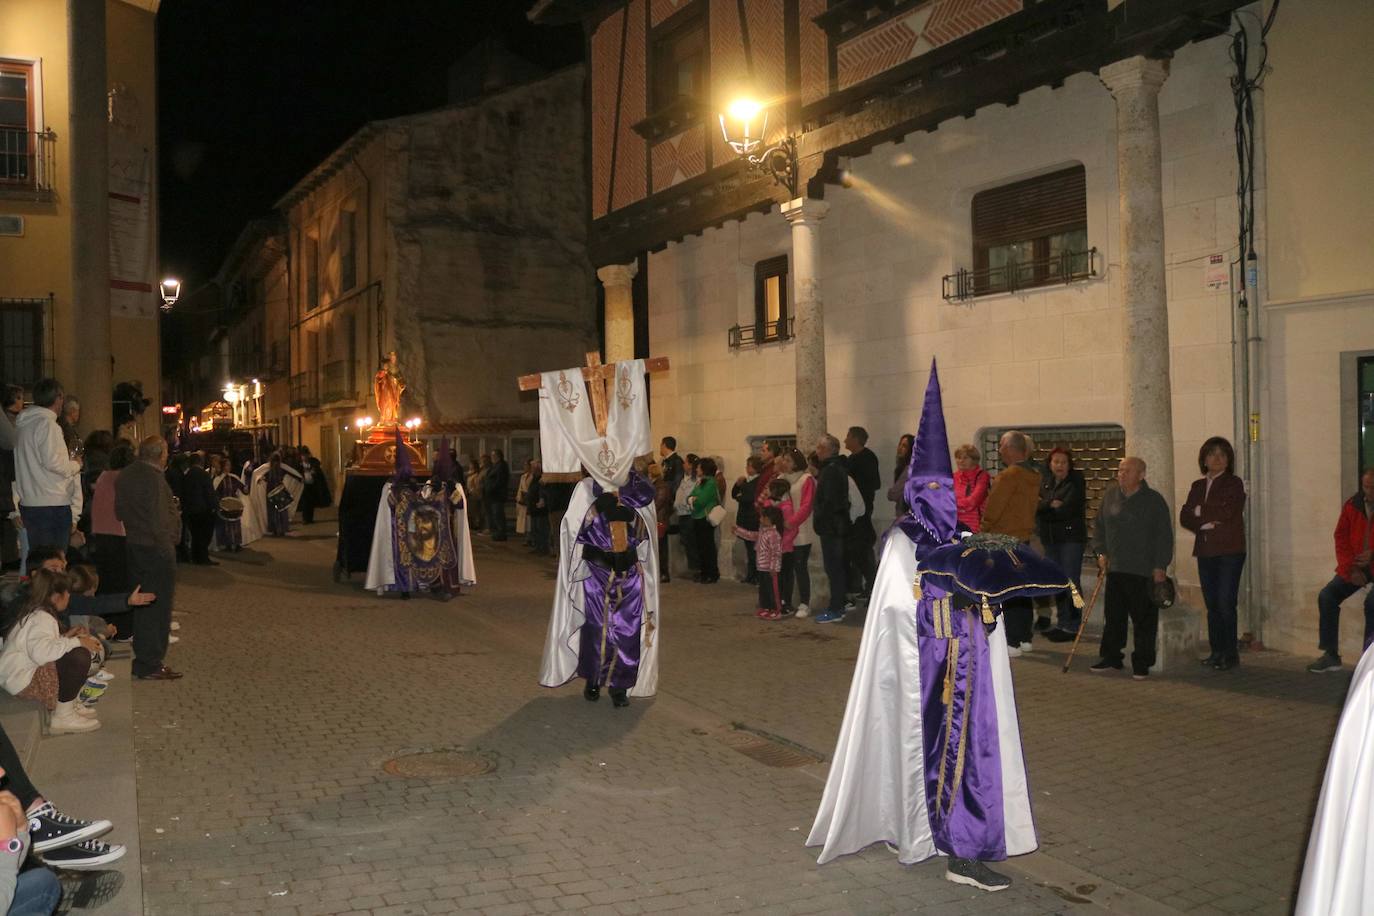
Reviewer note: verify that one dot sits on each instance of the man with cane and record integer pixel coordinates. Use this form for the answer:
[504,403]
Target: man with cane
[1135,537]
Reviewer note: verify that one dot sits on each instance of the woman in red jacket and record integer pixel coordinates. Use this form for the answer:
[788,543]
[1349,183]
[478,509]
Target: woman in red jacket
[971,484]
[1215,513]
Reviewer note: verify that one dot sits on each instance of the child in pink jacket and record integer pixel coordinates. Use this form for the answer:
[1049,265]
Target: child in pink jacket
[769,553]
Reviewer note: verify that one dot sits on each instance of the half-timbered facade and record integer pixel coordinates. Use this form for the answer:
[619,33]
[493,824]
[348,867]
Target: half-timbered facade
[1041,195]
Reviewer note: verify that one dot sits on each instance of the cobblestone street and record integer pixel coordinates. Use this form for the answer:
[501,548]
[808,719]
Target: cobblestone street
[263,779]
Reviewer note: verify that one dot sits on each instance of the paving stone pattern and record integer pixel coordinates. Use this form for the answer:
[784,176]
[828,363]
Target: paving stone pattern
[262,789]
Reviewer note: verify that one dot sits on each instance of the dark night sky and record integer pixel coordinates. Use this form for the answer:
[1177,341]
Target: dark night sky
[252,94]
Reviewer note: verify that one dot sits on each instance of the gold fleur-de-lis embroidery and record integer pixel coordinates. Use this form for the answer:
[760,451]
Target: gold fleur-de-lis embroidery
[623,390]
[568,396]
[605,458]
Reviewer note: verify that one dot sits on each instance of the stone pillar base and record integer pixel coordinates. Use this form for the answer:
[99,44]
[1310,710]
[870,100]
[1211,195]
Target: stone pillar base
[1178,644]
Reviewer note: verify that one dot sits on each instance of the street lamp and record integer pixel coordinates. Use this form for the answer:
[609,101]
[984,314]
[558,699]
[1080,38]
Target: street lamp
[171,292]
[744,124]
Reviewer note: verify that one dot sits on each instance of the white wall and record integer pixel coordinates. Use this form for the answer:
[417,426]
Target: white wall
[1047,356]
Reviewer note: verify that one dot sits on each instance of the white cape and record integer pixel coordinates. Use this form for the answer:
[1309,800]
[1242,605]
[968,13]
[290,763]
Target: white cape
[1338,877]
[254,521]
[876,787]
[565,623]
[381,562]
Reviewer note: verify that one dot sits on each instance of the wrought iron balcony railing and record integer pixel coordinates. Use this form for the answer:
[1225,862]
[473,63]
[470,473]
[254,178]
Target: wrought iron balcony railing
[305,390]
[1014,275]
[752,335]
[28,160]
[337,383]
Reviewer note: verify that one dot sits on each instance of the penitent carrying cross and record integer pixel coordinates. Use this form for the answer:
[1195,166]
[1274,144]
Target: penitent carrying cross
[601,382]
[607,457]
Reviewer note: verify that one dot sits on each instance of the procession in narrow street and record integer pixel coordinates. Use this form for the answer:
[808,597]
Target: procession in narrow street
[781,456]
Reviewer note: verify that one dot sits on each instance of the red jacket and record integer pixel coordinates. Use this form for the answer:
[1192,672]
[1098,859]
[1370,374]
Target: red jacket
[1352,535]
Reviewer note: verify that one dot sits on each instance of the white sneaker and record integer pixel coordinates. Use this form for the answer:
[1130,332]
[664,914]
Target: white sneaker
[67,721]
[1026,647]
[803,611]
[175,625]
[104,675]
[173,639]
[83,710]
[1014,651]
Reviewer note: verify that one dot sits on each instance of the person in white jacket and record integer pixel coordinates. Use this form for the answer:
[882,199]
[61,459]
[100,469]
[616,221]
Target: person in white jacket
[36,654]
[45,475]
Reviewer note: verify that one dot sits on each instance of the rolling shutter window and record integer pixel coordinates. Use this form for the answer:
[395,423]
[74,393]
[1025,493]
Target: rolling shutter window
[1028,210]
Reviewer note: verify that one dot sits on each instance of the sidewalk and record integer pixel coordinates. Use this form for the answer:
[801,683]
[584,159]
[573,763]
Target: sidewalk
[264,782]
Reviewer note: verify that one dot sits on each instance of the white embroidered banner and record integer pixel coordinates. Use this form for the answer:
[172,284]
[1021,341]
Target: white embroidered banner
[567,430]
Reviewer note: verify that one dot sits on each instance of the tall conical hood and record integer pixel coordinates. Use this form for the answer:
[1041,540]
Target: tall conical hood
[443,470]
[933,516]
[930,454]
[404,469]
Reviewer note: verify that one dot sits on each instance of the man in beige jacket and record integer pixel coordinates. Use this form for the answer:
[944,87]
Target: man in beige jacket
[1010,510]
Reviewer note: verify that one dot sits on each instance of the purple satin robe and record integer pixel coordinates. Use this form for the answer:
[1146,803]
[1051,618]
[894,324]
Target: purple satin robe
[613,603]
[963,769]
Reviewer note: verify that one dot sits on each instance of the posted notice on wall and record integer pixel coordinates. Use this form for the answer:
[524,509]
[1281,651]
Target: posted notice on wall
[131,230]
[1217,278]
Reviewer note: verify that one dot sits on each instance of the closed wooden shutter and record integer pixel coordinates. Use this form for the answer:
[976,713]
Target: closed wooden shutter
[1031,209]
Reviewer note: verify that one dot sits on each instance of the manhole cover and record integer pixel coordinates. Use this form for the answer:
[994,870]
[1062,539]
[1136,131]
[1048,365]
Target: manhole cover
[769,753]
[438,765]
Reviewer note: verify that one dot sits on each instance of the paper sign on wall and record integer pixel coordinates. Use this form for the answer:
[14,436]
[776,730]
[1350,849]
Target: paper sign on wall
[1218,276]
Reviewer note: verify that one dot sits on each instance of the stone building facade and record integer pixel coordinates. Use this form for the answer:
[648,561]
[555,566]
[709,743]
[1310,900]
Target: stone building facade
[914,122]
[457,238]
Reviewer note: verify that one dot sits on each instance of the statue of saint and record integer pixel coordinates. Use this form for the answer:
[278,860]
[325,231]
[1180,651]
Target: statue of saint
[387,386]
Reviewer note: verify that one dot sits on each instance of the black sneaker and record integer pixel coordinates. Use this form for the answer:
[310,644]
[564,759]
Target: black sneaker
[50,829]
[1329,661]
[975,874]
[1104,665]
[84,855]
[1042,624]
[1058,635]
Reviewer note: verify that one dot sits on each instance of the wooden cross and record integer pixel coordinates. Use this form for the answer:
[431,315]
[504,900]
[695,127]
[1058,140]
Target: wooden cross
[600,384]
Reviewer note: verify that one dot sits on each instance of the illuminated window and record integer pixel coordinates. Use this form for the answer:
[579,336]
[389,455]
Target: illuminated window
[771,318]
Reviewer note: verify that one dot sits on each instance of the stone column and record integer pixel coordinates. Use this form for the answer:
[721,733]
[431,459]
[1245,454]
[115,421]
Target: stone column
[808,313]
[620,313]
[1134,84]
[88,314]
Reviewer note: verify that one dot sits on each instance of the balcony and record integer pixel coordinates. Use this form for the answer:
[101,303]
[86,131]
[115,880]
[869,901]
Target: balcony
[338,382]
[305,390]
[28,164]
[753,335]
[1017,275]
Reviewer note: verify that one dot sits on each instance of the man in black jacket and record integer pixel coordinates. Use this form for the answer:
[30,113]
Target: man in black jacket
[198,503]
[863,467]
[673,469]
[494,487]
[830,512]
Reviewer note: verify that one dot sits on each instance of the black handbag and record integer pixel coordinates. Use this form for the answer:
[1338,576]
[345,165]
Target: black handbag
[1163,594]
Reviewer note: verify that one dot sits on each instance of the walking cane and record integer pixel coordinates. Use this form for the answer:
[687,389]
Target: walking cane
[1092,602]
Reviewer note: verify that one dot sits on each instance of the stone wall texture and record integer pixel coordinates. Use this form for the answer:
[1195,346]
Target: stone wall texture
[486,222]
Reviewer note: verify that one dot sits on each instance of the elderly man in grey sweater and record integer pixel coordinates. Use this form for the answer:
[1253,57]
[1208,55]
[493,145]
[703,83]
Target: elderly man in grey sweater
[152,524]
[1134,542]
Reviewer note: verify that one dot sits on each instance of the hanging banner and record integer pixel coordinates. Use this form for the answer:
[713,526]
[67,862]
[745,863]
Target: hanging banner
[132,267]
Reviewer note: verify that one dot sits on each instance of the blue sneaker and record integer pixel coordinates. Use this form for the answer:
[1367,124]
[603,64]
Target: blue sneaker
[829,617]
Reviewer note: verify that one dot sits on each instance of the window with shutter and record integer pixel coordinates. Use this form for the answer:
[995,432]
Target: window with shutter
[1031,233]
